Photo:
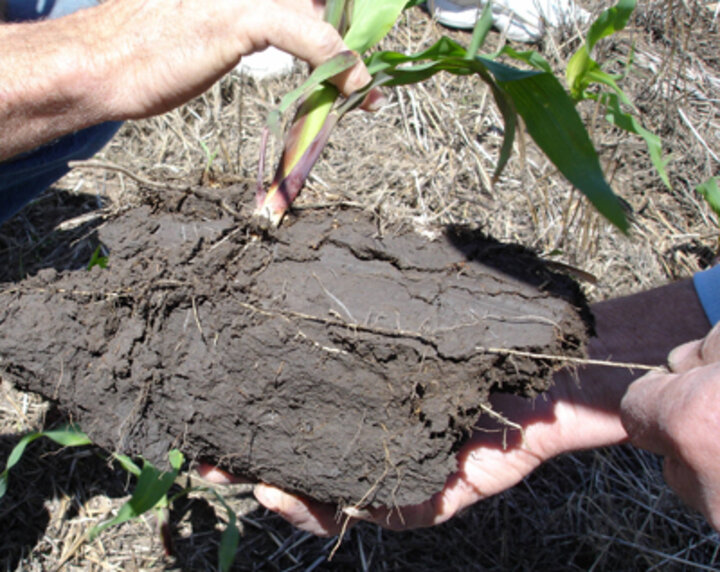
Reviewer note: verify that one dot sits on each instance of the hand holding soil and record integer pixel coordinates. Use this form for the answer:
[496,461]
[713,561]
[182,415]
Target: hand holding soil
[496,457]
[581,411]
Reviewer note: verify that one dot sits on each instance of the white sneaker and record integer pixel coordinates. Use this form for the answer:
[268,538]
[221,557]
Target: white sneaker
[521,20]
[269,63]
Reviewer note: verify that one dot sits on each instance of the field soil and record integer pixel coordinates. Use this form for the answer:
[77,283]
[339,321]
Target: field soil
[334,357]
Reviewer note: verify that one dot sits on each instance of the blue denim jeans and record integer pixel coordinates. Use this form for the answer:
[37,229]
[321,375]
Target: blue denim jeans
[24,177]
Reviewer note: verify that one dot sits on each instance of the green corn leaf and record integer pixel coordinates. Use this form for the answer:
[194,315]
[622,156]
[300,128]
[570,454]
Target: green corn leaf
[710,190]
[480,32]
[15,456]
[230,537]
[150,491]
[610,21]
[507,110]
[596,75]
[176,459]
[615,115]
[66,436]
[371,21]
[554,124]
[548,112]
[338,14]
[331,68]
[229,542]
[530,57]
[127,464]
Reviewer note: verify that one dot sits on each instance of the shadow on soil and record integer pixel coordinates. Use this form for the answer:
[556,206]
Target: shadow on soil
[58,230]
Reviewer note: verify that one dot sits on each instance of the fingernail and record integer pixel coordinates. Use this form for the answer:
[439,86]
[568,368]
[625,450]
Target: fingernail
[375,101]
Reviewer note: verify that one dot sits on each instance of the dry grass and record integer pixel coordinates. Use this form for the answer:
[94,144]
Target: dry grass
[426,161]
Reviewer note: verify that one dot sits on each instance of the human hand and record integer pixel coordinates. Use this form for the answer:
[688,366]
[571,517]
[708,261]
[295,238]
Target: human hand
[580,411]
[495,458]
[164,53]
[677,415]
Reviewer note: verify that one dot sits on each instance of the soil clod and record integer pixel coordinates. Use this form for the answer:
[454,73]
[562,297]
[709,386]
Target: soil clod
[332,358]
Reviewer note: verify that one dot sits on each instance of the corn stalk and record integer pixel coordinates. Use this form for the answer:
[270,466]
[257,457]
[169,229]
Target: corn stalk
[536,96]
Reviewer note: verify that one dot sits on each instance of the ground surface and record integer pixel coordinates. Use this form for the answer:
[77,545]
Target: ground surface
[422,163]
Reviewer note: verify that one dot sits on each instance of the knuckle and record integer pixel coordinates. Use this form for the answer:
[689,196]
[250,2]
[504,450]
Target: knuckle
[328,41]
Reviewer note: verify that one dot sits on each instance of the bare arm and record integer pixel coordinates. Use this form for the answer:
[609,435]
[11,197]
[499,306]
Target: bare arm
[130,59]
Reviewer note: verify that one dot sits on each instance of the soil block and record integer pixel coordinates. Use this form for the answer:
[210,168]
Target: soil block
[335,356]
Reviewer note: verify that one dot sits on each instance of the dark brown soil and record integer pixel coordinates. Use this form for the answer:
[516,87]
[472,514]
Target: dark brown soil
[335,358]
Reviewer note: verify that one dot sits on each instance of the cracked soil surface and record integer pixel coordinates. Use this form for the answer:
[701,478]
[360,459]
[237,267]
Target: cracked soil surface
[334,357]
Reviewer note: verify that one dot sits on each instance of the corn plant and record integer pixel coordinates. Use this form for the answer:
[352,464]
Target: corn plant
[150,493]
[536,96]
[710,191]
[587,80]
[67,436]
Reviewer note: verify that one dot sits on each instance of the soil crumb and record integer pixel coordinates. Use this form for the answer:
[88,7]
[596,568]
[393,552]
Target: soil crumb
[333,357]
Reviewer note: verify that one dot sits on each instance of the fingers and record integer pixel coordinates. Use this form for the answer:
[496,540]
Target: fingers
[308,38]
[644,412]
[320,519]
[217,476]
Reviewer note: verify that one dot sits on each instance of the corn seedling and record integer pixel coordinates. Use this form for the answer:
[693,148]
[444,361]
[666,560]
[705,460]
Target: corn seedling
[99,258]
[150,494]
[710,191]
[587,80]
[66,436]
[210,157]
[535,95]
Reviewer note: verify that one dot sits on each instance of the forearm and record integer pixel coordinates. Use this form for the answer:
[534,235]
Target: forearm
[638,329]
[129,59]
[51,83]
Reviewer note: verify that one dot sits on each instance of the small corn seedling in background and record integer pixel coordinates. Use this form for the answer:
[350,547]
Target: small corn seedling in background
[150,494]
[583,72]
[536,96]
[710,191]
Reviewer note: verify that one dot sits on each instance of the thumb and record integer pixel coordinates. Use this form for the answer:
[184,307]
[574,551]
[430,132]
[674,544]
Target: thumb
[644,413]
